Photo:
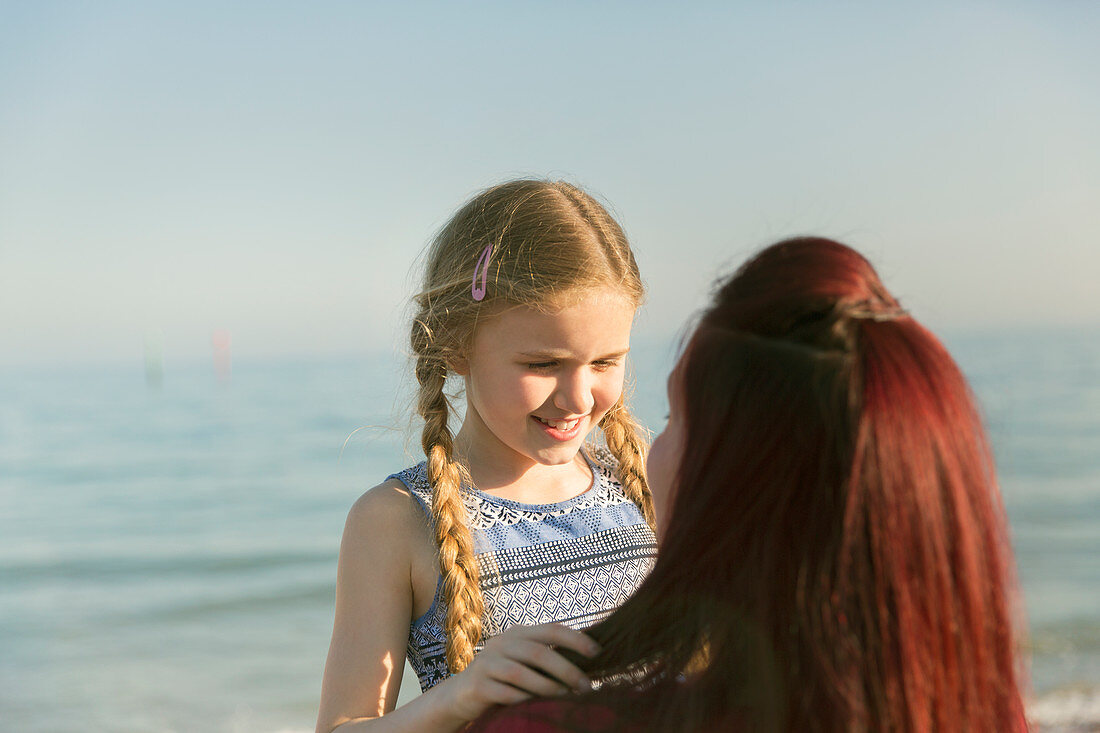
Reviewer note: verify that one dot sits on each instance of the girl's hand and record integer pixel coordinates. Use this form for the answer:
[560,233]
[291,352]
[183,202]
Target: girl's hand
[519,664]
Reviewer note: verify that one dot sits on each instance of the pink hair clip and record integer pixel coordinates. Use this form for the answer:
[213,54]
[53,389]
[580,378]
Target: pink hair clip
[483,265]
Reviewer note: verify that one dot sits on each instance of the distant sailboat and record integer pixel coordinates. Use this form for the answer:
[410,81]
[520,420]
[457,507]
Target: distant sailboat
[223,358]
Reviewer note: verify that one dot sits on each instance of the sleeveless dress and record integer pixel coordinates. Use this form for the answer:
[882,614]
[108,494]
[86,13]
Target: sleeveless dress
[573,562]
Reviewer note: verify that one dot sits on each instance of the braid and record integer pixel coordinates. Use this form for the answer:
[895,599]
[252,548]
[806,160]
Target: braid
[457,564]
[621,432]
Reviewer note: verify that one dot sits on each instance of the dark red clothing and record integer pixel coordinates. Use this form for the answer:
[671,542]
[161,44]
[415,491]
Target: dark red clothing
[547,716]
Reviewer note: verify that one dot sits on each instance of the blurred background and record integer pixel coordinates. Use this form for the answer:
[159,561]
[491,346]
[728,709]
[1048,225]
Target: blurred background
[210,219]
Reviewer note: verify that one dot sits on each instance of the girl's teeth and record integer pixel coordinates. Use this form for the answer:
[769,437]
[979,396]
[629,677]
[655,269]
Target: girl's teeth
[559,425]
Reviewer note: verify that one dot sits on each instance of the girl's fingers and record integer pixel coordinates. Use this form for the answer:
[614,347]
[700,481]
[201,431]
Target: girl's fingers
[499,693]
[522,676]
[544,658]
[526,660]
[563,636]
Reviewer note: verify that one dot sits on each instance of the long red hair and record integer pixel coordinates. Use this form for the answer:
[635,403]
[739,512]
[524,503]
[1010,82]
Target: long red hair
[836,555]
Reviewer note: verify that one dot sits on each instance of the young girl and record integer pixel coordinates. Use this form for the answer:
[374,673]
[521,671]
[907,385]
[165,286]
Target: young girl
[514,523]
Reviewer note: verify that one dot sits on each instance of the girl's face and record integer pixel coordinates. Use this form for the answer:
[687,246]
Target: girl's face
[665,454]
[537,383]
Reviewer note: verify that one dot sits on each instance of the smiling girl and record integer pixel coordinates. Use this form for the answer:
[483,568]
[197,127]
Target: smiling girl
[513,533]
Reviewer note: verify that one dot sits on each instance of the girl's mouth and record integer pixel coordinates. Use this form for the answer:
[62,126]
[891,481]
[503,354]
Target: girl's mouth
[561,430]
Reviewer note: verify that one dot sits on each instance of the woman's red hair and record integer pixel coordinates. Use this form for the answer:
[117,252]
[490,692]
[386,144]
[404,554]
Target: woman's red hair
[836,556]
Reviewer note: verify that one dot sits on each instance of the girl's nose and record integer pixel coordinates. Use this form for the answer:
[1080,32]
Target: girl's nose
[574,393]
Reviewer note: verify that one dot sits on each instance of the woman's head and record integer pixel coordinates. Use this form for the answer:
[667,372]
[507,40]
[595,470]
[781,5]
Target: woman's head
[537,252]
[833,520]
[769,378]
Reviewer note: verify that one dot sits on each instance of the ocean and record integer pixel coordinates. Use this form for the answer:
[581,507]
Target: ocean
[168,542]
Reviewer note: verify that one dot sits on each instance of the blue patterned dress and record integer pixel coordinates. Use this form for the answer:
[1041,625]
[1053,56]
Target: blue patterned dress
[572,562]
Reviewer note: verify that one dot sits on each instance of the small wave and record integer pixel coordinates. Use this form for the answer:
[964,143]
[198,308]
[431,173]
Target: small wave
[1075,635]
[89,569]
[1067,711]
[317,594]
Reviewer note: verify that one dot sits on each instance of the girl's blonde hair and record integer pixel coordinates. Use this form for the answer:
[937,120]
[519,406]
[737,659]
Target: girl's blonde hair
[527,242]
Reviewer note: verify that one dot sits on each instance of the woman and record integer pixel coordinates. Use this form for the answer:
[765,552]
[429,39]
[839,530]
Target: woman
[833,550]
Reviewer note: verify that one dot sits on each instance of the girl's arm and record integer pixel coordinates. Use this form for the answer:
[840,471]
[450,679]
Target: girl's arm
[374,605]
[374,599]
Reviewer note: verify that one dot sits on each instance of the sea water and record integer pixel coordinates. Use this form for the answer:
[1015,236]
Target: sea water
[168,545]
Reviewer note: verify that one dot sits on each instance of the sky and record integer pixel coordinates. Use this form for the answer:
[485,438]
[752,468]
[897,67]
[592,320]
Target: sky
[171,171]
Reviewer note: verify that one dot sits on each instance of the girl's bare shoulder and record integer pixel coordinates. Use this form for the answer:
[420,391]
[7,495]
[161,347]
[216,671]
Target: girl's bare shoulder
[387,509]
[387,527]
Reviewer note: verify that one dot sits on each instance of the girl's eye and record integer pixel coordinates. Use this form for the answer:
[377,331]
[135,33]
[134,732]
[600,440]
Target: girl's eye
[599,365]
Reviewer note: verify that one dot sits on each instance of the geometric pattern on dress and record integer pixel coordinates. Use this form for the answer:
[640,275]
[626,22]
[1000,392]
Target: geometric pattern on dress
[578,599]
[606,491]
[577,579]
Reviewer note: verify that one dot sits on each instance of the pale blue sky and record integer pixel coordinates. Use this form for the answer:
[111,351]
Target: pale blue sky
[274,168]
